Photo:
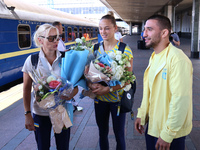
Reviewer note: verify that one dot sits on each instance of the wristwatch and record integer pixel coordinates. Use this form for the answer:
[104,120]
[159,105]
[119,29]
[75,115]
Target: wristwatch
[27,112]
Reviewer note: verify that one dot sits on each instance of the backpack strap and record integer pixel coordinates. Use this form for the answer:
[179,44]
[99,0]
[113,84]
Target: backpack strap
[62,54]
[122,47]
[34,59]
[96,47]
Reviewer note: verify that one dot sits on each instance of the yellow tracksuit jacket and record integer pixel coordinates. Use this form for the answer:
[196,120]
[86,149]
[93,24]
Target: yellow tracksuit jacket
[168,108]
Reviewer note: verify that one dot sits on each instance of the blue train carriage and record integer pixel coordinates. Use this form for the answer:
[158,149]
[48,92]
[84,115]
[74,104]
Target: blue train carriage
[18,22]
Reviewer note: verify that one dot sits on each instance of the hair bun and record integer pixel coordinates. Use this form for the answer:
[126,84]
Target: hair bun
[110,13]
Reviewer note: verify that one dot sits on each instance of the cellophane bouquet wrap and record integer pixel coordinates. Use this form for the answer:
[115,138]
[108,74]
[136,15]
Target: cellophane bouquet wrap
[73,64]
[110,70]
[50,93]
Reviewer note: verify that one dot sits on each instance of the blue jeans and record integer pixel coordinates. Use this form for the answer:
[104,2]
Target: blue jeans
[43,134]
[177,144]
[102,113]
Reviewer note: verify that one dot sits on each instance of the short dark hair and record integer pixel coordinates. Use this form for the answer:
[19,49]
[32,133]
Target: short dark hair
[56,23]
[163,21]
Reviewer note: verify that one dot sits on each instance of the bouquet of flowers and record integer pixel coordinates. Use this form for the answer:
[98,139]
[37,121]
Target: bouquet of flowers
[111,69]
[120,64]
[73,64]
[50,93]
[99,70]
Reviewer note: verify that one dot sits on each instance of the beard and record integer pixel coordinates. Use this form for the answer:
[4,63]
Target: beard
[154,42]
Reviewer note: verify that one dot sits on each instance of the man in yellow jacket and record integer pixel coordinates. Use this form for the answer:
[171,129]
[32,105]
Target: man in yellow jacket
[166,106]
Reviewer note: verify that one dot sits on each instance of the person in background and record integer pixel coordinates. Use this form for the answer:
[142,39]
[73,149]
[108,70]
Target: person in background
[61,44]
[174,39]
[106,101]
[166,106]
[46,37]
[141,36]
[118,36]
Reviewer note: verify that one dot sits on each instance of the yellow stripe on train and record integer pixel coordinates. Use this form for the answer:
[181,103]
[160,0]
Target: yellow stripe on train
[18,53]
[23,52]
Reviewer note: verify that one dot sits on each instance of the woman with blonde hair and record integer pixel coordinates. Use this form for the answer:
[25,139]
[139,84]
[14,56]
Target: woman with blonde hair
[46,37]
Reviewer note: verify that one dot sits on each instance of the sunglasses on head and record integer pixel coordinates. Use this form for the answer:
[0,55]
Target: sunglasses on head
[51,38]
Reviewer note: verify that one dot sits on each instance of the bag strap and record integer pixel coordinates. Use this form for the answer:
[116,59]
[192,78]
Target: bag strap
[34,59]
[62,54]
[122,47]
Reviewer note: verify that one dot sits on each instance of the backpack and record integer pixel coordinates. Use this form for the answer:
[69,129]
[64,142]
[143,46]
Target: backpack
[126,105]
[35,57]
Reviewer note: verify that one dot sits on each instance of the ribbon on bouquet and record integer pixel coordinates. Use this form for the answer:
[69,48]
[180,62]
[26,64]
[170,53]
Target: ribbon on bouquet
[72,69]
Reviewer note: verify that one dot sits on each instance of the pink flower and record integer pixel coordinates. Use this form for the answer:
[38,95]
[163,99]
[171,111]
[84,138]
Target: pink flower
[54,84]
[101,65]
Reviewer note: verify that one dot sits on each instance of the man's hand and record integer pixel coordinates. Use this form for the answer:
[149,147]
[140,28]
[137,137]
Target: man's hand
[162,145]
[138,126]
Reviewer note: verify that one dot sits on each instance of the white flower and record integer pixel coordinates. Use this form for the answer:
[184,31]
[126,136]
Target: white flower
[72,47]
[59,79]
[43,82]
[40,87]
[119,69]
[117,76]
[83,38]
[111,55]
[128,64]
[41,93]
[121,62]
[128,87]
[118,57]
[118,52]
[122,83]
[83,47]
[51,78]
[78,40]
[97,66]
[113,64]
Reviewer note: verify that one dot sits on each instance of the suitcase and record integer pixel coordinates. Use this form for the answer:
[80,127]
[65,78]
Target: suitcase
[141,44]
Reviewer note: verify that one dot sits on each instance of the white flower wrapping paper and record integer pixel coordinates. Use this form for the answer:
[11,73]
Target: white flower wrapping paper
[94,75]
[49,92]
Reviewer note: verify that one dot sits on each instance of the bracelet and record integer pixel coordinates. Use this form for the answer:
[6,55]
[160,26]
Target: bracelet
[27,112]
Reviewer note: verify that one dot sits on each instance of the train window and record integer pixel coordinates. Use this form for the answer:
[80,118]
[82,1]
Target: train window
[80,32]
[88,32]
[84,30]
[37,27]
[24,36]
[96,30]
[91,32]
[75,33]
[69,33]
[63,34]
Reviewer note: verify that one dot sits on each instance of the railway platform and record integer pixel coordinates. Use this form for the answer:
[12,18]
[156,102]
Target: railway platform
[84,133]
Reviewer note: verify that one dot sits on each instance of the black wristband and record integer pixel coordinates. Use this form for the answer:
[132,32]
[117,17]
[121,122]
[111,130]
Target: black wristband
[26,112]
